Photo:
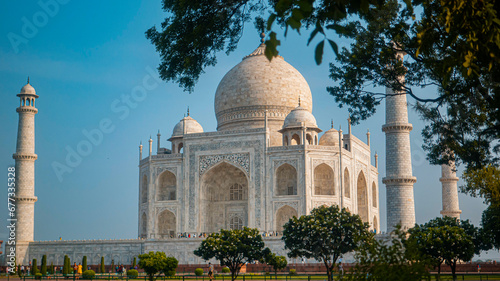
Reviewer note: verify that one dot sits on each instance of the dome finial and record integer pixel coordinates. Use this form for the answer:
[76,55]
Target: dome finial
[28,79]
[332,123]
[299,100]
[262,36]
[188,110]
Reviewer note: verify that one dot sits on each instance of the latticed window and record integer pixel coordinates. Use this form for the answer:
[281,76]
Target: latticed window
[236,223]
[236,192]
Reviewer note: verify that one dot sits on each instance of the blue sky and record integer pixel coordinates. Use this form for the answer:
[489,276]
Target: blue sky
[86,57]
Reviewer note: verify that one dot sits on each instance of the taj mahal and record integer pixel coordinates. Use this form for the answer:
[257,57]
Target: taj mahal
[267,162]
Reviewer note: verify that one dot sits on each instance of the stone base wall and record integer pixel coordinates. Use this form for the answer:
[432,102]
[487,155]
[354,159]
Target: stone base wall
[124,251]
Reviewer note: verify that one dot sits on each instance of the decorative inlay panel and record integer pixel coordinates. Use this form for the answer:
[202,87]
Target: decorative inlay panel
[317,204]
[240,159]
[317,162]
[279,204]
[172,209]
[160,170]
[278,163]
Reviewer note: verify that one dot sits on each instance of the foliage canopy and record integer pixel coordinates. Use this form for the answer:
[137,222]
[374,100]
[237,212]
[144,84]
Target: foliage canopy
[158,262]
[445,240]
[233,248]
[325,235]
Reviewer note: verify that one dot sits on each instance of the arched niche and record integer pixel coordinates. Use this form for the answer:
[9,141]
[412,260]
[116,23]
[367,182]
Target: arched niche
[375,224]
[236,222]
[323,180]
[362,197]
[166,224]
[224,195]
[374,195]
[144,225]
[283,215]
[295,140]
[144,189]
[286,180]
[167,187]
[347,184]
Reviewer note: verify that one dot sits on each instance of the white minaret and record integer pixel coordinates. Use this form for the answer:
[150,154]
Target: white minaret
[449,181]
[25,171]
[399,179]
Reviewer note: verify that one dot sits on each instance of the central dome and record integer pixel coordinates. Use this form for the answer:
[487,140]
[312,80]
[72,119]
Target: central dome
[256,85]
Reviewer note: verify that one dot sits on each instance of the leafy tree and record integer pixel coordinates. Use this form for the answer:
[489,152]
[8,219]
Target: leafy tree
[171,266]
[134,262]
[277,262]
[194,31]
[84,263]
[452,45]
[35,267]
[387,258]
[445,240]
[158,262]
[483,183]
[233,248]
[462,113]
[325,235]
[490,222]
[66,265]
[103,267]
[52,268]
[43,268]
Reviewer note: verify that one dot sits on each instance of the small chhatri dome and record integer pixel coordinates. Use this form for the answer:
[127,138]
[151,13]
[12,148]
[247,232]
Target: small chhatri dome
[192,127]
[28,89]
[330,138]
[298,116]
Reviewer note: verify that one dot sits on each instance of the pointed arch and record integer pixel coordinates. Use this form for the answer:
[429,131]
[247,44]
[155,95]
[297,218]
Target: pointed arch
[295,140]
[362,197]
[224,193]
[347,184]
[309,139]
[283,215]
[166,224]
[144,225]
[374,195]
[323,180]
[286,180]
[167,187]
[316,140]
[180,148]
[144,189]
[236,222]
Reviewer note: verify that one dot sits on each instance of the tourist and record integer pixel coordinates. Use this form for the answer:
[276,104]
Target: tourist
[79,269]
[210,271]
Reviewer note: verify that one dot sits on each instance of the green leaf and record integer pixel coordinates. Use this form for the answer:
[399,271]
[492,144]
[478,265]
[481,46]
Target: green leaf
[318,53]
[335,48]
[313,34]
[271,46]
[270,21]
